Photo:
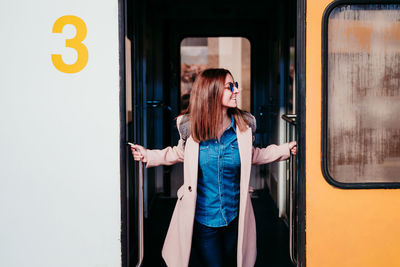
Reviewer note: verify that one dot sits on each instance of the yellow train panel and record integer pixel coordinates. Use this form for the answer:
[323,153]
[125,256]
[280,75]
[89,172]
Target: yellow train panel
[344,227]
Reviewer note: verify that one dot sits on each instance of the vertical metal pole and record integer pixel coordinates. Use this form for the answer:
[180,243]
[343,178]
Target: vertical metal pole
[291,119]
[140,217]
[292,214]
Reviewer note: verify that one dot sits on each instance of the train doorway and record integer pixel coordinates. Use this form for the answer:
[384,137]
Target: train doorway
[159,35]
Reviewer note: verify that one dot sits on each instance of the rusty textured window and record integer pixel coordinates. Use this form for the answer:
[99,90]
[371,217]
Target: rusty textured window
[363,94]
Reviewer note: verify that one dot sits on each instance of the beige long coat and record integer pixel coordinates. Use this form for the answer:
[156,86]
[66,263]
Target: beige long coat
[177,244]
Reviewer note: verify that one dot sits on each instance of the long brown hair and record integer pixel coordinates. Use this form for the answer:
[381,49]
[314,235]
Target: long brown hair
[205,106]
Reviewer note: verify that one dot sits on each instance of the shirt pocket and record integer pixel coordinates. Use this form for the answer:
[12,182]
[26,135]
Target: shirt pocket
[235,157]
[234,146]
[204,155]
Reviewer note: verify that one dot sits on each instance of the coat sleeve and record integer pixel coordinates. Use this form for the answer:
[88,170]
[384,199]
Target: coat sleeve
[168,155]
[270,154]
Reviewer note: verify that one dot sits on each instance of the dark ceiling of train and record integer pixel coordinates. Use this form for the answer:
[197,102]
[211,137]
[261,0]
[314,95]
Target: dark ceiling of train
[215,18]
[251,9]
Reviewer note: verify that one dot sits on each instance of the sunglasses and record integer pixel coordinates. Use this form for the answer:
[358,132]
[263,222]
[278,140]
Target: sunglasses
[232,86]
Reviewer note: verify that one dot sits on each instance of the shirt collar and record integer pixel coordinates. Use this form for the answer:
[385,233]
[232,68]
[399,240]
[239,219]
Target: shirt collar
[232,125]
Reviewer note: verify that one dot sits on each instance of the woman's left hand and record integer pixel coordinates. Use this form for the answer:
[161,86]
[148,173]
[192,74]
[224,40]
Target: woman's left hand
[293,147]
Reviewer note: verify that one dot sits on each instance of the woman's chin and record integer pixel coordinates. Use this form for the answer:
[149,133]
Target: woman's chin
[232,104]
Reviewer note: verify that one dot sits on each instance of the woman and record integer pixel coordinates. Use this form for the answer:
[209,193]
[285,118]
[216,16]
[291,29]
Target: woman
[213,209]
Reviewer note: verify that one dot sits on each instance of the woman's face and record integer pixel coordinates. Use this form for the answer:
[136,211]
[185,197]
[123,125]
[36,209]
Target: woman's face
[229,97]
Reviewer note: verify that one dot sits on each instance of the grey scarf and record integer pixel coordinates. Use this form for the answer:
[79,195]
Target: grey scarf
[184,126]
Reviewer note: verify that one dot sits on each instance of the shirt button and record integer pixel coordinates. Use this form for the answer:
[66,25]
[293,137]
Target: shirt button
[190,188]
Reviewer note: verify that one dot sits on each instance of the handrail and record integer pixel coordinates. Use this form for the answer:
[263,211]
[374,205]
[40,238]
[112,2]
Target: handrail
[140,217]
[292,211]
[157,104]
[291,119]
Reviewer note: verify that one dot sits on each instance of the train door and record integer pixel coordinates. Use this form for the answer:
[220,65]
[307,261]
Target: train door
[157,31]
[352,133]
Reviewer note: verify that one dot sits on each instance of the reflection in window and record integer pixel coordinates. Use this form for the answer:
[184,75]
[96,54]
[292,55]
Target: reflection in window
[364,93]
[232,53]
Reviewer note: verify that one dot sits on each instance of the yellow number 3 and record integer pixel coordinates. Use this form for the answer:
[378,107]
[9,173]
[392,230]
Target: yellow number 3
[75,43]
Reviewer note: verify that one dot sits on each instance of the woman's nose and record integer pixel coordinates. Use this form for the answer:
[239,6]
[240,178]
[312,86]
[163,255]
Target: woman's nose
[235,90]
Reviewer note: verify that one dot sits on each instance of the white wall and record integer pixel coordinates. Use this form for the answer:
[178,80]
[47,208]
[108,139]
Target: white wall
[59,138]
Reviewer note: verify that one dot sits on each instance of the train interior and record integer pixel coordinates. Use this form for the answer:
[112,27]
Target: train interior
[168,43]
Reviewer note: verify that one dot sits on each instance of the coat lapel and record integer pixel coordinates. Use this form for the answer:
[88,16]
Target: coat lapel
[245,150]
[191,157]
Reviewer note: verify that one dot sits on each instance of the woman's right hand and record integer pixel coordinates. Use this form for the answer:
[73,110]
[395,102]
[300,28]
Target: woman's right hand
[139,153]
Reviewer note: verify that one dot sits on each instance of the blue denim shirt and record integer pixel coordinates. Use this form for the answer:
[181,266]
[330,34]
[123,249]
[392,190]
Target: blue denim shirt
[218,185]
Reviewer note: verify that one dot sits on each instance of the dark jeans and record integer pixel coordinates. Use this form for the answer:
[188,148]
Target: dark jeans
[216,246]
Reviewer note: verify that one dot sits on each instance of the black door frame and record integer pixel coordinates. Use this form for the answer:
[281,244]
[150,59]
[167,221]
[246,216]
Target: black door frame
[131,28]
[301,130]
